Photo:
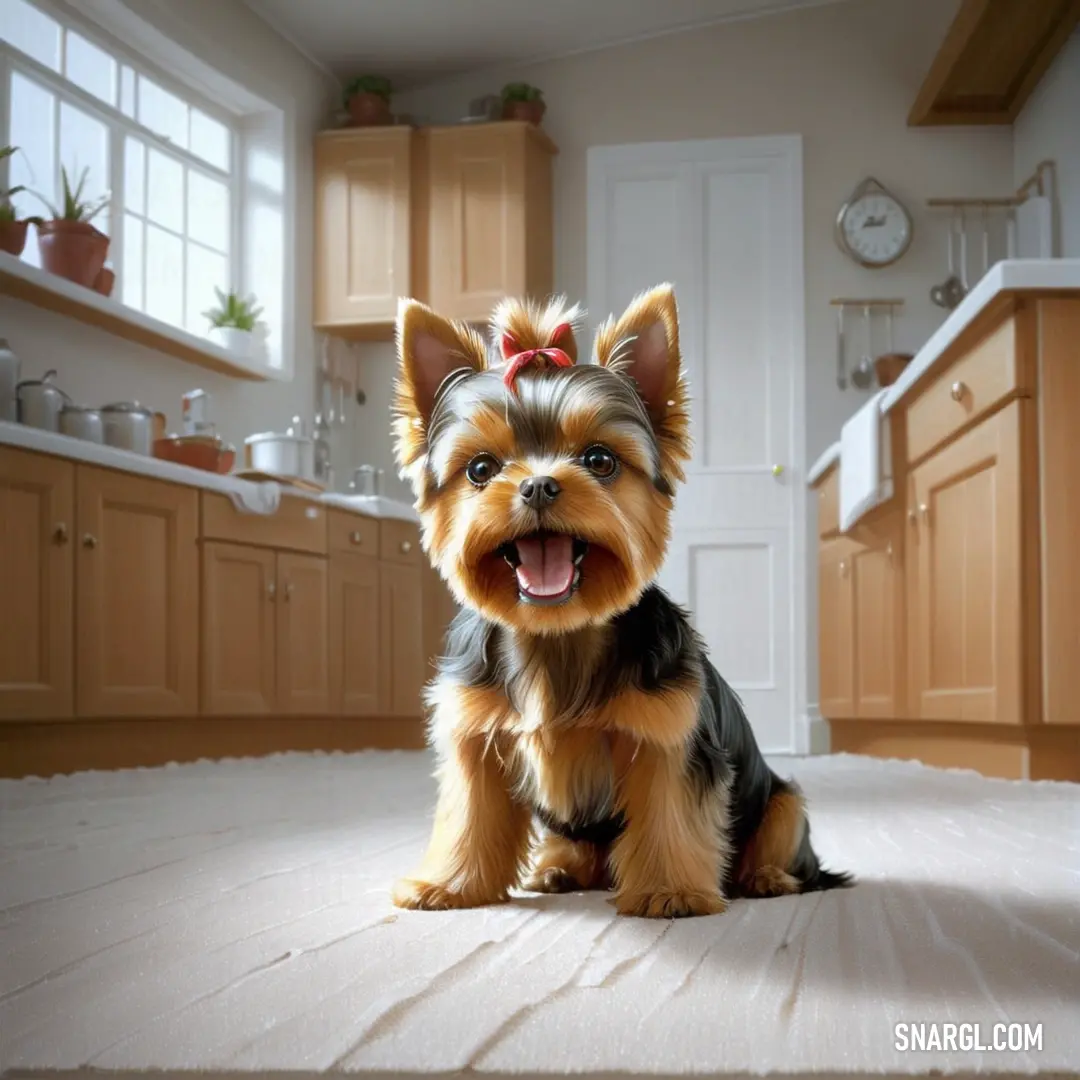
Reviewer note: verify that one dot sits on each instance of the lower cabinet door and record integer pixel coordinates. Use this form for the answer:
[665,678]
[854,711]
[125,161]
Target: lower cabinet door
[354,635]
[136,596]
[401,639]
[238,630]
[303,663]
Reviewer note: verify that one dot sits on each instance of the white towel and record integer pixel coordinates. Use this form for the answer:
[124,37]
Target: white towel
[248,497]
[865,463]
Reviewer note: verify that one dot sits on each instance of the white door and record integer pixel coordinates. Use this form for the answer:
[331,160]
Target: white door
[722,220]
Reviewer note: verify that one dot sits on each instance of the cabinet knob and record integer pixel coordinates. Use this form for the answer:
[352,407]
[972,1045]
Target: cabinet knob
[778,470]
[912,517]
[271,590]
[355,537]
[406,546]
[288,591]
[60,533]
[888,550]
[843,568]
[925,511]
[89,540]
[957,391]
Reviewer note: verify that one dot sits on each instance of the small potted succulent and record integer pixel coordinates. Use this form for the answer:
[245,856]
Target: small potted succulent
[367,99]
[523,102]
[233,321]
[12,229]
[70,245]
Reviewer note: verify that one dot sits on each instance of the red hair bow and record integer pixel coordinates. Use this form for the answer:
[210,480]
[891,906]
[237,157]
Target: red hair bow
[516,358]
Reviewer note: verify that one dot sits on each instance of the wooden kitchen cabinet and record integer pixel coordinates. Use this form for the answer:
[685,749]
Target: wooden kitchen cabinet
[489,216]
[239,630]
[966,639]
[136,596]
[363,228]
[303,672]
[265,632]
[37,519]
[354,634]
[836,628]
[401,641]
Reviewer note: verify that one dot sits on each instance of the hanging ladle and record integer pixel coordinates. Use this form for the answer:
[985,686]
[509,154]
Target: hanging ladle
[863,375]
[951,291]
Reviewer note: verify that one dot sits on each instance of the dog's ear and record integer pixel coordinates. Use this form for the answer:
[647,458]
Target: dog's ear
[643,343]
[429,348]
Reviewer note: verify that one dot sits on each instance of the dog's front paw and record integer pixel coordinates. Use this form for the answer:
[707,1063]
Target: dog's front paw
[552,880]
[430,896]
[670,903]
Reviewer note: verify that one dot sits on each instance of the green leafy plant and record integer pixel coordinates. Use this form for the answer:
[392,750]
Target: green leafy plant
[8,214]
[74,208]
[368,84]
[519,91]
[234,311]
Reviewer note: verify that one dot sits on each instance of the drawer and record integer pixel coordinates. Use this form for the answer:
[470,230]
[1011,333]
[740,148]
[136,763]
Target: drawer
[828,502]
[298,525]
[399,541]
[351,532]
[975,384]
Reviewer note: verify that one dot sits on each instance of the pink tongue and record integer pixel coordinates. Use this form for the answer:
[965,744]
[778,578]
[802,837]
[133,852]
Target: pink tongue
[547,565]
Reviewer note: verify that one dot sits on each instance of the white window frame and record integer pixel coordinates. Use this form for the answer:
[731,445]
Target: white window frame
[120,126]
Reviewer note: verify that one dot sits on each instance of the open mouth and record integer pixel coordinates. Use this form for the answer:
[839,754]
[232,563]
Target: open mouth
[547,566]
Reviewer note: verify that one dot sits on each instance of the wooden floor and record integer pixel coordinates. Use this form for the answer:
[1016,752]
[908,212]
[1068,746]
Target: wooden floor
[233,917]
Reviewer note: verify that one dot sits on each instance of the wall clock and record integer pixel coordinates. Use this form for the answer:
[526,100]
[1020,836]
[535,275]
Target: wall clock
[873,227]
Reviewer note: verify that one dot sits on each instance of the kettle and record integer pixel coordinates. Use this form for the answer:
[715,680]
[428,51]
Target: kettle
[40,402]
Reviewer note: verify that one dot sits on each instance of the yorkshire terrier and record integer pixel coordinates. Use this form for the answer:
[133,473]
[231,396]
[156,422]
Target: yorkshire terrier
[574,695]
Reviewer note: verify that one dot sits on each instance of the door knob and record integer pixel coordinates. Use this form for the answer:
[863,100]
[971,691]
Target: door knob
[89,540]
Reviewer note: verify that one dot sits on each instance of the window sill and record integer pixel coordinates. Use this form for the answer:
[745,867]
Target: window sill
[45,290]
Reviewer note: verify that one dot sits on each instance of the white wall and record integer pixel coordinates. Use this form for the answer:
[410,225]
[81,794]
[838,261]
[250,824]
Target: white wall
[96,367]
[843,76]
[1049,128]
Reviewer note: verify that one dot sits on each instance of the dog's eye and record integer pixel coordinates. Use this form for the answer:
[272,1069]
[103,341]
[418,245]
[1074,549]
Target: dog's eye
[482,469]
[600,461]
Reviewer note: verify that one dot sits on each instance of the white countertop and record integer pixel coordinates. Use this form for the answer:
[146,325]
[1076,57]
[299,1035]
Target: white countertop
[1007,276]
[254,493]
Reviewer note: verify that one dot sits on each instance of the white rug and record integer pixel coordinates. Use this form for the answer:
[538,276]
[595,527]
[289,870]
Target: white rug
[234,916]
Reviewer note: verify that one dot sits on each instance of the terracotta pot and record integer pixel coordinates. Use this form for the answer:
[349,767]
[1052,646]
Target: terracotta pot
[369,110]
[72,249]
[105,281]
[13,236]
[533,111]
[889,366]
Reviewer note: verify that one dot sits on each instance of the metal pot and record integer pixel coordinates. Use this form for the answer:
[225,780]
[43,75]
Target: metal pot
[9,382]
[291,453]
[40,402]
[366,480]
[129,426]
[82,422]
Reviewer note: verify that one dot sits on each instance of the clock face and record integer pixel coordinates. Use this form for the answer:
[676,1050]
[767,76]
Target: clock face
[875,229]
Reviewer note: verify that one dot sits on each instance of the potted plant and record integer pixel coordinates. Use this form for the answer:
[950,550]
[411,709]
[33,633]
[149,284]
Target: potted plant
[367,99]
[12,230]
[70,246]
[523,102]
[233,321]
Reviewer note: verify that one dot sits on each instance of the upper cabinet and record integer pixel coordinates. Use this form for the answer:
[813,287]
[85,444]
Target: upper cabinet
[362,227]
[490,218]
[458,217]
[993,56]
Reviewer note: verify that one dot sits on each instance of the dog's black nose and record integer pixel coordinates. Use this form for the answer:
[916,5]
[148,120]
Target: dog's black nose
[539,491]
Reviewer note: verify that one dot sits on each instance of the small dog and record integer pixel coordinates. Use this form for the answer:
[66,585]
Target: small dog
[574,694]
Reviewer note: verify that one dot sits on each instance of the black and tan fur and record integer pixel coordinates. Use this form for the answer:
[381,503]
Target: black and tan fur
[588,743]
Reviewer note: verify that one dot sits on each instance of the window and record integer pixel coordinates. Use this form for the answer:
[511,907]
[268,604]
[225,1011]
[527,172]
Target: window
[165,159]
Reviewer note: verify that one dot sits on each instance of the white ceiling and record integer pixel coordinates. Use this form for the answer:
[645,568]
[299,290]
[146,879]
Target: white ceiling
[417,41]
